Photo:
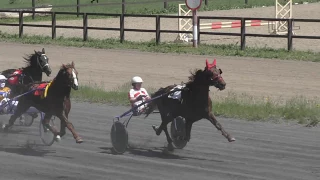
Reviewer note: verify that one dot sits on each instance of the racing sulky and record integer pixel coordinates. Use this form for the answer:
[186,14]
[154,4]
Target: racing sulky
[194,104]
[37,63]
[53,99]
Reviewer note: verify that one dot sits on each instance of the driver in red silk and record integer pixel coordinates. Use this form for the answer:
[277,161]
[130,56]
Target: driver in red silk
[138,94]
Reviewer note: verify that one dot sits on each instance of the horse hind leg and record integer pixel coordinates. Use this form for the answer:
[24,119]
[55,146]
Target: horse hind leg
[21,108]
[63,126]
[46,124]
[169,140]
[188,126]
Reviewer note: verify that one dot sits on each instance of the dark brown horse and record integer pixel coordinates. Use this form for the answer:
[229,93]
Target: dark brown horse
[195,102]
[55,103]
[37,63]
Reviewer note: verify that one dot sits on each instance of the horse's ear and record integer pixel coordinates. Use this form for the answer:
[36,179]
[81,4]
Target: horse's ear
[220,71]
[43,51]
[64,66]
[36,52]
[214,62]
[72,63]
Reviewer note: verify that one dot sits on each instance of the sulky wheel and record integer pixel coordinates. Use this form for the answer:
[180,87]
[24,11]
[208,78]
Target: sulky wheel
[178,132]
[28,118]
[119,137]
[47,137]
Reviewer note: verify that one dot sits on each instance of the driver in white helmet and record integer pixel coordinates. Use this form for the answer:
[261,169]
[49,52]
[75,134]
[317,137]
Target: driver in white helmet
[138,94]
[4,93]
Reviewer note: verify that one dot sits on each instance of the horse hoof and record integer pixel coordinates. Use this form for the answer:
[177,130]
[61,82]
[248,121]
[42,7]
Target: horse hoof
[58,138]
[186,139]
[62,133]
[154,128]
[231,139]
[5,127]
[170,147]
[79,140]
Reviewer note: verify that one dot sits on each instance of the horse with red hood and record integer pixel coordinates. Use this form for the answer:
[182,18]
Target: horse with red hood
[193,102]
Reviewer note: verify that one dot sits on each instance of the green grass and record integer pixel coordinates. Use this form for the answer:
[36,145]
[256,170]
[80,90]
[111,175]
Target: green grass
[155,7]
[203,49]
[242,106]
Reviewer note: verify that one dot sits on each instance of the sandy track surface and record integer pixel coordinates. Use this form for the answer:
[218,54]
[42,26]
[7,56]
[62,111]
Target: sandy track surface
[112,68]
[299,11]
[262,151]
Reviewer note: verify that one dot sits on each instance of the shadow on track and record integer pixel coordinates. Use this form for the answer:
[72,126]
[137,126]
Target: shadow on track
[27,150]
[151,152]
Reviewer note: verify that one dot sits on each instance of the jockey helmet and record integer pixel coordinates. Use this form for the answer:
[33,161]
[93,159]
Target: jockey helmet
[2,81]
[136,79]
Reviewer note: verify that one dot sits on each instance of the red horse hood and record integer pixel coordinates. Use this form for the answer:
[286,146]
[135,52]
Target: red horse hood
[15,79]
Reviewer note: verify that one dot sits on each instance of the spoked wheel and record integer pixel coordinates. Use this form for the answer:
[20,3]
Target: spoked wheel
[178,132]
[47,137]
[119,137]
[28,119]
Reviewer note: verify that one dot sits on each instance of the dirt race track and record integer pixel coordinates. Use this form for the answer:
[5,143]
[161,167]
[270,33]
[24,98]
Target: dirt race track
[113,68]
[262,150]
[308,11]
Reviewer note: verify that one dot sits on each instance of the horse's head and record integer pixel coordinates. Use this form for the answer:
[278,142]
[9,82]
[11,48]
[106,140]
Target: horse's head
[69,75]
[213,75]
[40,60]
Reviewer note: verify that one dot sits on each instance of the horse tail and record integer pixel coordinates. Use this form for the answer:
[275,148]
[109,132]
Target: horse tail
[152,105]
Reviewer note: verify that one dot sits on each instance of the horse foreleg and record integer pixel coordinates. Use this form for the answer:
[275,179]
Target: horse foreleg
[159,129]
[214,121]
[78,139]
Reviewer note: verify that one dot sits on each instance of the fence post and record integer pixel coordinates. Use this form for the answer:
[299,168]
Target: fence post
[20,24]
[206,2]
[53,16]
[198,27]
[289,34]
[85,27]
[165,4]
[157,29]
[123,6]
[243,33]
[246,2]
[33,8]
[121,28]
[78,7]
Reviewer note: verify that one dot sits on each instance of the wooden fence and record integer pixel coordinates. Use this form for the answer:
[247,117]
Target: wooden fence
[123,4]
[158,31]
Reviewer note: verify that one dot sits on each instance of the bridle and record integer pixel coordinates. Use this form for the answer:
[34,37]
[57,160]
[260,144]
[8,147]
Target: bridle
[38,62]
[215,80]
[73,80]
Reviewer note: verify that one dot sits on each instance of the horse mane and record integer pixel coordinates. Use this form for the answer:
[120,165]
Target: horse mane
[66,66]
[194,74]
[28,59]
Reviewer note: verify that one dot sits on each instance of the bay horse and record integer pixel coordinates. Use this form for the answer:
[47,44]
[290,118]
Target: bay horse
[37,63]
[55,101]
[195,102]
